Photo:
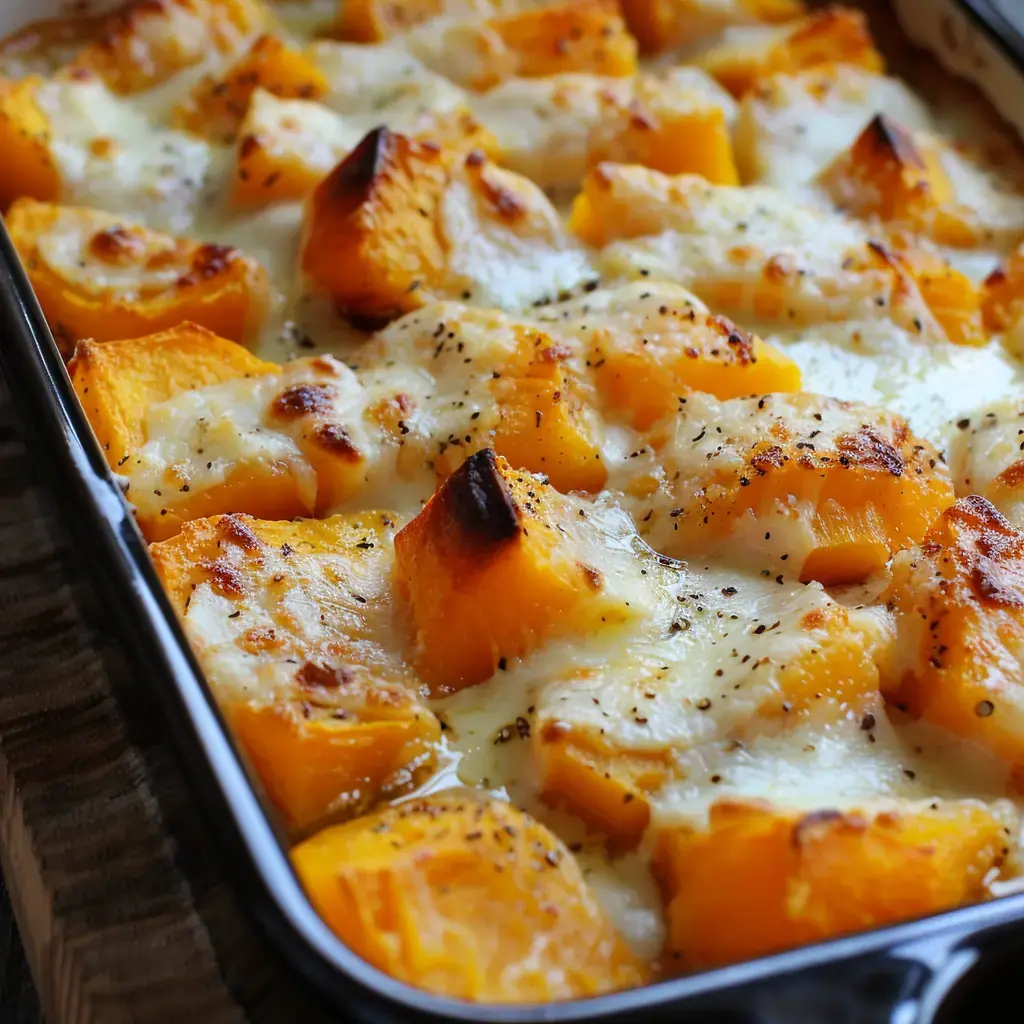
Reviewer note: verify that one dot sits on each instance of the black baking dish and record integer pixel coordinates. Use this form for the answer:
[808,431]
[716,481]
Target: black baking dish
[929,970]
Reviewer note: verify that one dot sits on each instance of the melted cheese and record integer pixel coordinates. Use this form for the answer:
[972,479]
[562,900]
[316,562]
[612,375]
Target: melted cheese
[111,156]
[419,396]
[551,129]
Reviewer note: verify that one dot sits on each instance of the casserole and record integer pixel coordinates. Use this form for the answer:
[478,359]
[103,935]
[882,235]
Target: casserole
[204,721]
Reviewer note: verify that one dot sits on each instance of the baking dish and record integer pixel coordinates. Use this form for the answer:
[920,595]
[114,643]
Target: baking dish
[907,967]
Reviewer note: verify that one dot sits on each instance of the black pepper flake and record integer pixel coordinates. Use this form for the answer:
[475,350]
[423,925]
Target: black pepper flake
[703,704]
[984,708]
[867,723]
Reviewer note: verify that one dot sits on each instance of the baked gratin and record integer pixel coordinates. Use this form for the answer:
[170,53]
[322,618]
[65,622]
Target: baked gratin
[584,445]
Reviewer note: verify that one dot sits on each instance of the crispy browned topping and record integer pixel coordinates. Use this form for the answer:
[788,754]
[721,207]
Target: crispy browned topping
[480,500]
[302,400]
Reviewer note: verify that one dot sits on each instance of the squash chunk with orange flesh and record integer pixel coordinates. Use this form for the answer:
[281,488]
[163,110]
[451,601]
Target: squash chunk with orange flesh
[102,277]
[286,147]
[321,703]
[661,24]
[755,252]
[464,895]
[761,654]
[959,600]
[683,350]
[545,427]
[552,129]
[833,36]
[826,490]
[581,35]
[758,880]
[400,223]
[28,167]
[218,104]
[494,565]
[143,44]
[199,426]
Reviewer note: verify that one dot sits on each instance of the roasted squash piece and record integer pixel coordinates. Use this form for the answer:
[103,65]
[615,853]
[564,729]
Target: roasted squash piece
[400,223]
[101,277]
[28,168]
[837,35]
[566,36]
[285,148]
[545,425]
[795,878]
[321,706]
[552,129]
[754,252]
[364,243]
[959,600]
[372,21]
[645,375]
[889,174]
[660,24]
[505,557]
[218,104]
[199,427]
[118,382]
[581,35]
[825,490]
[145,43]
[609,738]
[986,458]
[466,896]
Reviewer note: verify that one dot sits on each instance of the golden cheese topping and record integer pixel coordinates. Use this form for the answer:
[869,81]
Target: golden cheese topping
[582,444]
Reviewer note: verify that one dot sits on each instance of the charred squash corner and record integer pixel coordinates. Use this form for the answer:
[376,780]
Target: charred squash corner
[489,571]
[795,879]
[467,896]
[371,236]
[959,600]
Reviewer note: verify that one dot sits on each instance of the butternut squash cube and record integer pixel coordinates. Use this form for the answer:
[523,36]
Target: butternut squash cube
[546,428]
[101,277]
[118,382]
[795,878]
[499,557]
[757,253]
[826,490]
[400,223]
[836,35]
[364,243]
[198,426]
[466,896]
[662,24]
[28,168]
[579,35]
[218,104]
[372,21]
[959,600]
[143,44]
[644,375]
[887,173]
[552,129]
[321,703]
[760,656]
